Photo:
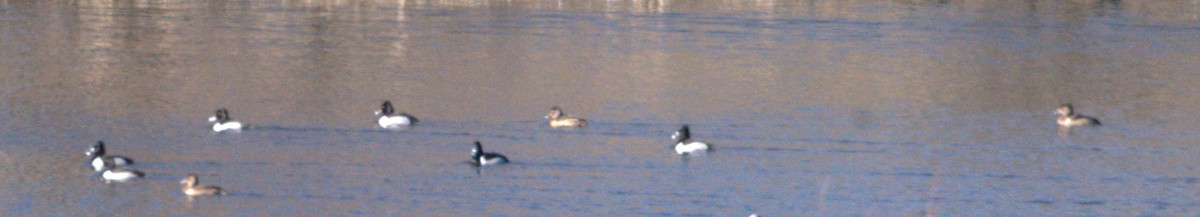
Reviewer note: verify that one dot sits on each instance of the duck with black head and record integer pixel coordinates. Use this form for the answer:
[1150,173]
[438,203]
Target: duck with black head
[223,122]
[480,158]
[100,159]
[389,118]
[684,145]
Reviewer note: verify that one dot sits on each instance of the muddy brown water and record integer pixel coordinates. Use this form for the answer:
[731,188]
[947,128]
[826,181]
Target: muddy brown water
[816,108]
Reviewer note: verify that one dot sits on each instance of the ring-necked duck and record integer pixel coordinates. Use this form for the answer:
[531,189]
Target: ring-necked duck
[684,143]
[121,174]
[481,158]
[560,119]
[100,160]
[388,117]
[1067,117]
[223,122]
[192,187]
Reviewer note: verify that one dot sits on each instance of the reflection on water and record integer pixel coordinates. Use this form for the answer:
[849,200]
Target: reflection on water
[818,108]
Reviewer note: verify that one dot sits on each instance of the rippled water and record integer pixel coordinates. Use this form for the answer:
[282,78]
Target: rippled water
[817,108]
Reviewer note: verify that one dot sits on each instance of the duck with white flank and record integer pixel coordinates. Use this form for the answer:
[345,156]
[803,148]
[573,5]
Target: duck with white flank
[388,118]
[222,121]
[100,160]
[685,145]
[480,158]
[121,174]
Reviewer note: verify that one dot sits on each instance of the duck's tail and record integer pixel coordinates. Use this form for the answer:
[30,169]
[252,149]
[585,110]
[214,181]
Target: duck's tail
[411,118]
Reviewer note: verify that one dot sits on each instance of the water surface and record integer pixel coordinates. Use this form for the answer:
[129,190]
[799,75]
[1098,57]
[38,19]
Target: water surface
[817,108]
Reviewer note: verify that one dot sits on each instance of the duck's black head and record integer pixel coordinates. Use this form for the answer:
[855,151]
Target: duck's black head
[475,153]
[222,115]
[387,108]
[682,135]
[97,150]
